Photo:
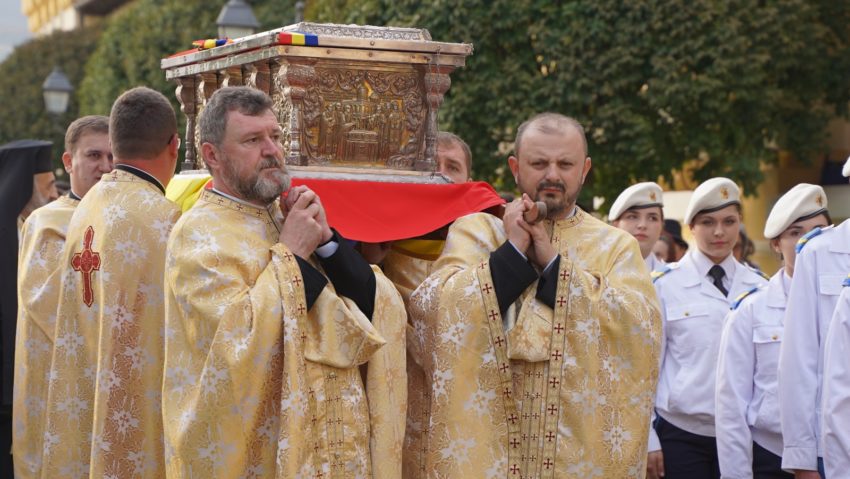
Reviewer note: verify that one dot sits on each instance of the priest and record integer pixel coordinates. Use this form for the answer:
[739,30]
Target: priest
[267,319]
[86,158]
[544,335]
[104,414]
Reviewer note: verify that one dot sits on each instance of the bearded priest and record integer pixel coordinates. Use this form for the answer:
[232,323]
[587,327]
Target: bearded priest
[545,335]
[268,316]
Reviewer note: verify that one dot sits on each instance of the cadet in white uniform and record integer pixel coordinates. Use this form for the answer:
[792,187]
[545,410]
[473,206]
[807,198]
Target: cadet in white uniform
[695,296]
[749,437]
[638,211]
[836,389]
[823,260]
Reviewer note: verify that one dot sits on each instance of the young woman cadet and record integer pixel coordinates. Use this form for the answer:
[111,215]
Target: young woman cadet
[695,295]
[749,435]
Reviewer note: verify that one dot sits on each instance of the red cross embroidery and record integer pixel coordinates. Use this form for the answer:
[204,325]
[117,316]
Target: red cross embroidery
[557,355]
[554,382]
[493,316]
[548,463]
[499,341]
[561,301]
[86,262]
[487,288]
[512,418]
[550,436]
[552,409]
[504,367]
[565,275]
[558,328]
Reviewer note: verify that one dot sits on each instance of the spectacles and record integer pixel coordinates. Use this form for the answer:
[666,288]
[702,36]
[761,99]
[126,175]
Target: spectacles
[172,138]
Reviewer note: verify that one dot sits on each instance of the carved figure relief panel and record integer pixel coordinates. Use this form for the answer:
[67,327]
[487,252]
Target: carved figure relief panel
[363,117]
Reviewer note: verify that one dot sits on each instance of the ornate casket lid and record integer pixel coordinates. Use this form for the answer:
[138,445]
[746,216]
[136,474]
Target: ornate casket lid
[332,37]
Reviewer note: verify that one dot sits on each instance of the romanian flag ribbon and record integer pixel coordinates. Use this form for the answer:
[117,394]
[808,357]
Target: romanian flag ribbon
[295,38]
[211,43]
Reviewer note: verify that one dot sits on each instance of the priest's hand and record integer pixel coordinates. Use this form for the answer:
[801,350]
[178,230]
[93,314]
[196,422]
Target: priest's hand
[512,219]
[541,252]
[292,197]
[301,232]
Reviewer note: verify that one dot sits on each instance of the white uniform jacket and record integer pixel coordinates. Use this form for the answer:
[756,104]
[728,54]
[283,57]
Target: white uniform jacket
[694,312]
[653,263]
[821,267]
[746,399]
[836,389]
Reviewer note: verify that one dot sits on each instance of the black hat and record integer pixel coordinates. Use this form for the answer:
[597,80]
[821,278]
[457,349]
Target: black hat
[674,229]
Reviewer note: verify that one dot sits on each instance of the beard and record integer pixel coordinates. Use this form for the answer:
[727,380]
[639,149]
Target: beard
[254,187]
[555,206]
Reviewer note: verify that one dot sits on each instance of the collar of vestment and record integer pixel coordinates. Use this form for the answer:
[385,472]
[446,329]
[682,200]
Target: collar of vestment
[270,214]
[141,174]
[73,196]
[703,264]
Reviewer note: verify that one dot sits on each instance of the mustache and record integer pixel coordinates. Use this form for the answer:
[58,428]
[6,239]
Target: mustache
[551,184]
[271,162]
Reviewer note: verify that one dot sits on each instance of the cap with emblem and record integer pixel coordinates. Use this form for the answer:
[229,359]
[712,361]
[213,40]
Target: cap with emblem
[799,203]
[641,195]
[712,195]
[846,170]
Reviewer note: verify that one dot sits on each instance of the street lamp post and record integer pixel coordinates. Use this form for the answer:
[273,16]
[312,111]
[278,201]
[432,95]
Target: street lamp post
[236,20]
[57,91]
[299,11]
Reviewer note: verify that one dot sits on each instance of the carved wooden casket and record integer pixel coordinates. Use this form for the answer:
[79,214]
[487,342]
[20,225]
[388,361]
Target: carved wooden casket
[354,102]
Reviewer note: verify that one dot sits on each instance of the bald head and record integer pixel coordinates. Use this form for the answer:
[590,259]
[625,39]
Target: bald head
[551,124]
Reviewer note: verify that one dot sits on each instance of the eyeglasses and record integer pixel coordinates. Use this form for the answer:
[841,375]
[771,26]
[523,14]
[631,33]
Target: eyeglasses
[171,138]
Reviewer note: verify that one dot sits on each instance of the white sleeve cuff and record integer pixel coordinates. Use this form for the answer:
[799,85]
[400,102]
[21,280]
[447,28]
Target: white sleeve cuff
[327,249]
[518,251]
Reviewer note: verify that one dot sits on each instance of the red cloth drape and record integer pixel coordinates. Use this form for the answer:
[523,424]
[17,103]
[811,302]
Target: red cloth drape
[375,211]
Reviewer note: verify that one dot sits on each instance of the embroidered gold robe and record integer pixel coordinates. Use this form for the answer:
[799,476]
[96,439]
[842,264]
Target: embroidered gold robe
[104,402]
[407,271]
[42,240]
[539,393]
[255,384]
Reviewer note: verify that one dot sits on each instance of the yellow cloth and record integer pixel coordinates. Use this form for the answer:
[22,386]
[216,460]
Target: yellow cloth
[42,240]
[185,189]
[407,271]
[539,393]
[104,402]
[255,385]
[386,382]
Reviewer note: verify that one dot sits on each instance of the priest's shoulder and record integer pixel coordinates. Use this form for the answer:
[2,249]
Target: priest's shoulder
[477,222]
[57,213]
[664,271]
[816,236]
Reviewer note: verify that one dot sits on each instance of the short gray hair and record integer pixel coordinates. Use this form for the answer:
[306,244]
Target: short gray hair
[245,100]
[549,123]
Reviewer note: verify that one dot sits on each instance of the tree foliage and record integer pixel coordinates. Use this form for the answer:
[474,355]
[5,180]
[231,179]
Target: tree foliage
[21,76]
[138,37]
[658,84]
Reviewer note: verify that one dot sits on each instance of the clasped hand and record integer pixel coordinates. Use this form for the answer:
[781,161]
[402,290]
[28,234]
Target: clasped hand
[531,239]
[305,226]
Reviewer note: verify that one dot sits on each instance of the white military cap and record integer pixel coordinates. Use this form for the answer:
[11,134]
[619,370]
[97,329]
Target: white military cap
[712,195]
[799,203]
[641,195]
[846,170]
